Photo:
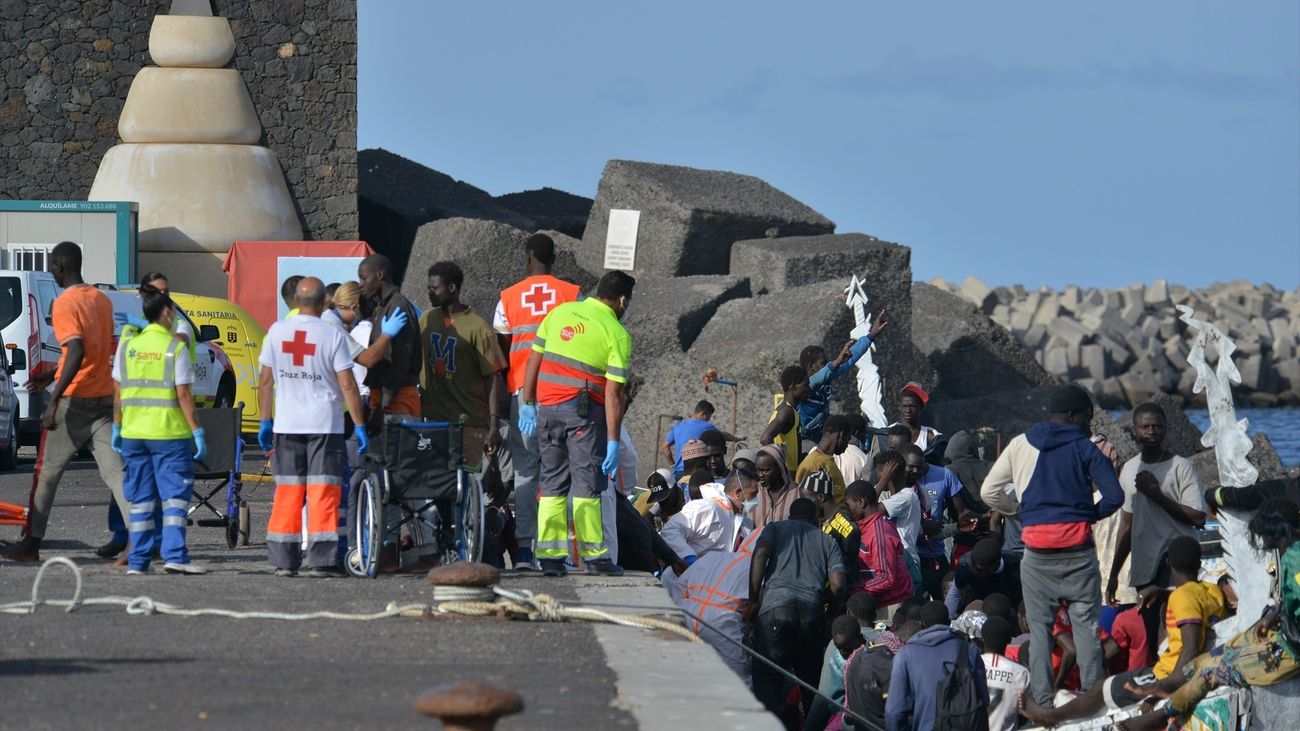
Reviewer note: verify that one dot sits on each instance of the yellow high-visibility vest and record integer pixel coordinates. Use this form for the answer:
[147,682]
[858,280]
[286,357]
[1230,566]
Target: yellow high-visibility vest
[150,409]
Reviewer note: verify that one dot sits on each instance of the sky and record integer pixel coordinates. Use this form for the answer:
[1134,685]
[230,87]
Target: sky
[1102,143]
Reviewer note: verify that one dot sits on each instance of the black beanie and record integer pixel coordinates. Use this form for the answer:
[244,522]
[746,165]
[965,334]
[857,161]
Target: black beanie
[1070,398]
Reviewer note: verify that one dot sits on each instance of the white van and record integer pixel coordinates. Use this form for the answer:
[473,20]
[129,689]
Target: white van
[25,302]
[27,329]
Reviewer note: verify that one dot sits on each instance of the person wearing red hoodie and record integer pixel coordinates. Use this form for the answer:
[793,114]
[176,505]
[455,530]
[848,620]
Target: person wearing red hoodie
[1046,476]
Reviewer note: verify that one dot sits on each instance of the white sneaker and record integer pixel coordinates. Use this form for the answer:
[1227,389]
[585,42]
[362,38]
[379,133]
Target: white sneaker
[137,572]
[185,568]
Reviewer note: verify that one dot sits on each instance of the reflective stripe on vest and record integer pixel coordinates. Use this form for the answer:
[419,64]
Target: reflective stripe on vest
[526,304]
[150,408]
[576,341]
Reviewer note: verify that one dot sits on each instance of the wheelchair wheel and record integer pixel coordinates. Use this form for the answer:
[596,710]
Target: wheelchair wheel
[367,518]
[469,526]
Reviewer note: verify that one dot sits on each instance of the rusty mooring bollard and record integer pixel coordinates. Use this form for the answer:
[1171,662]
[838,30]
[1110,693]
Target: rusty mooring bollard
[469,706]
[465,573]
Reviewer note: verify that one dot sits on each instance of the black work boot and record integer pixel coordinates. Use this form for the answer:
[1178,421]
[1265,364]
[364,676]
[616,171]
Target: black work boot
[27,550]
[553,567]
[110,549]
[603,567]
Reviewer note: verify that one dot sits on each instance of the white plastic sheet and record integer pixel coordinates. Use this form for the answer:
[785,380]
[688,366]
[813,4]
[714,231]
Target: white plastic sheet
[869,391]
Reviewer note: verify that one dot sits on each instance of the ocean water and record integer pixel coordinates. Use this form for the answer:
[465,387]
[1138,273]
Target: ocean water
[1281,425]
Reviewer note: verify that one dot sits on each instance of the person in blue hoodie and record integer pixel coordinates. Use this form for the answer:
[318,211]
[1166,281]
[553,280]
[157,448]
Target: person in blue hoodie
[921,664]
[1046,476]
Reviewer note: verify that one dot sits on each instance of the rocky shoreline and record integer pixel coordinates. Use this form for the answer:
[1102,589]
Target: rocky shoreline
[1127,345]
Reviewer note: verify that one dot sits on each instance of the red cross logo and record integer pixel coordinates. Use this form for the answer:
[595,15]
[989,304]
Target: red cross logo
[299,348]
[538,299]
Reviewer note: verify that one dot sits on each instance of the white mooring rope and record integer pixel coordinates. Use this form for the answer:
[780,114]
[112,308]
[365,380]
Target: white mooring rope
[467,601]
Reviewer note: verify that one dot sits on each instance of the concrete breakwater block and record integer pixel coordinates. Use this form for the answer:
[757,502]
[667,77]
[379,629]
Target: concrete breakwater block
[1143,345]
[490,253]
[971,355]
[793,261]
[755,338]
[668,313]
[396,196]
[1009,412]
[690,218]
[673,385]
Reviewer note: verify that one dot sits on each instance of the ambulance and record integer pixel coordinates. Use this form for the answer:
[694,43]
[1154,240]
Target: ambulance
[27,329]
[226,325]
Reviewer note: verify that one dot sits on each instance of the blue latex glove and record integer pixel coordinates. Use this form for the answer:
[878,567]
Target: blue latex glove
[393,324]
[610,465]
[116,443]
[528,419]
[200,446]
[363,440]
[689,561]
[266,435]
[126,318]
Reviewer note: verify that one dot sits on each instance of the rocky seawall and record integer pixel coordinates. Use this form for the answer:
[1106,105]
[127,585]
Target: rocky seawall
[1127,345]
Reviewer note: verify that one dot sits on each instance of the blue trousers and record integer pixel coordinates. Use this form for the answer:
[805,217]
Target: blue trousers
[158,483]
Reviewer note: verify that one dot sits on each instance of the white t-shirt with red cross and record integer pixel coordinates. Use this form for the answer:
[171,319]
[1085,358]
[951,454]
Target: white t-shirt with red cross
[306,355]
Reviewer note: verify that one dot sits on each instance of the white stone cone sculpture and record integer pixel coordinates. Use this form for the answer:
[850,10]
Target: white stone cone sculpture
[190,157]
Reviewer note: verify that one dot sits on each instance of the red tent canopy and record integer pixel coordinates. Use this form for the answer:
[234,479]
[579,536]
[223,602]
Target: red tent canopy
[252,269]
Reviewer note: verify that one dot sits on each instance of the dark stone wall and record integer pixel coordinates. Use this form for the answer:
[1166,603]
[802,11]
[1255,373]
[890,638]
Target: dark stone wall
[66,66]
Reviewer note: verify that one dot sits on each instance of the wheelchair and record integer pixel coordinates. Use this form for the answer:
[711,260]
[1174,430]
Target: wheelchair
[222,465]
[419,469]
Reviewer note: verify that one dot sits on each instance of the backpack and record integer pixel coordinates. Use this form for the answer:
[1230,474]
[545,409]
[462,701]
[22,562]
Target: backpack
[959,706]
[866,683]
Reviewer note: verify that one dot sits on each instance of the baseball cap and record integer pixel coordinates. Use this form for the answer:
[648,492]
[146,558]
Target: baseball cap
[749,454]
[660,488]
[916,390]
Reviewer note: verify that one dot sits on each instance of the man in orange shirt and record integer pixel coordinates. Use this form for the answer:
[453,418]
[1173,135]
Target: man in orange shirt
[519,312]
[80,410]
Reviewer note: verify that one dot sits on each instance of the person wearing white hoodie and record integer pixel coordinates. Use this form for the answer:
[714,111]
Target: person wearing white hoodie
[716,522]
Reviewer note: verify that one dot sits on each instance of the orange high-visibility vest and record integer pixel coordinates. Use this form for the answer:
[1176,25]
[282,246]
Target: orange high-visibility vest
[526,304]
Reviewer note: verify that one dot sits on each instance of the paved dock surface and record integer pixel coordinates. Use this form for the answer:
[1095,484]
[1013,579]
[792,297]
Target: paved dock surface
[99,668]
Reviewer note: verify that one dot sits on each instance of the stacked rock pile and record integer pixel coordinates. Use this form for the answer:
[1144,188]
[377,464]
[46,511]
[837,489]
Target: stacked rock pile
[1128,345]
[732,274]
